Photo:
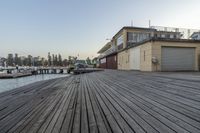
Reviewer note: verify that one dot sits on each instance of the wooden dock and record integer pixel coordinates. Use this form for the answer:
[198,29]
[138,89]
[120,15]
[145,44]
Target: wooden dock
[86,70]
[14,75]
[104,102]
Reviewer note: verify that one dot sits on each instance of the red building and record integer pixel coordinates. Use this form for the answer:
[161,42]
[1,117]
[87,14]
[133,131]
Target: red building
[108,57]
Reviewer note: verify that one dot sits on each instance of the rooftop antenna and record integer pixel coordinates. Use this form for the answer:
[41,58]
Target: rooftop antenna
[149,23]
[132,23]
[188,33]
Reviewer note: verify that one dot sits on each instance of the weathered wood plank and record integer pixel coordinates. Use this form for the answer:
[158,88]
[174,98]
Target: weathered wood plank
[107,101]
[102,125]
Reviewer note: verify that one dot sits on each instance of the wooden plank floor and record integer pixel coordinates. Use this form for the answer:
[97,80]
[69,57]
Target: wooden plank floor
[106,102]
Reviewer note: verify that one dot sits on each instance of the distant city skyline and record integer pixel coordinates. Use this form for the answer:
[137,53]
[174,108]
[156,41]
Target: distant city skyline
[21,55]
[78,27]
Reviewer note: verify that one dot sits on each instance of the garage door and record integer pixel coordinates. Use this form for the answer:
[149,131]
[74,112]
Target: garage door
[135,58]
[178,59]
[111,62]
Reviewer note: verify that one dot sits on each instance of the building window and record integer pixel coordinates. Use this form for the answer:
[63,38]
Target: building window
[167,36]
[176,37]
[163,35]
[103,60]
[120,40]
[120,47]
[144,55]
[134,37]
[172,36]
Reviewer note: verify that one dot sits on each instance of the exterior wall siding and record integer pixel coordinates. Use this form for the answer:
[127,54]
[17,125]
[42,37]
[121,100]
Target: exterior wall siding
[123,60]
[125,38]
[153,49]
[111,62]
[148,51]
[102,63]
[146,57]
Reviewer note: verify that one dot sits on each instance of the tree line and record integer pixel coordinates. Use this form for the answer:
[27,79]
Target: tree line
[15,60]
[52,60]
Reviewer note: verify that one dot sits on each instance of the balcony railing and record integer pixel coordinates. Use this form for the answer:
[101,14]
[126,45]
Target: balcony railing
[185,33]
[111,50]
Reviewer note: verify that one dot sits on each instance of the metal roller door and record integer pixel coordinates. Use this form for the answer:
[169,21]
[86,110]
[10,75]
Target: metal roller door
[177,59]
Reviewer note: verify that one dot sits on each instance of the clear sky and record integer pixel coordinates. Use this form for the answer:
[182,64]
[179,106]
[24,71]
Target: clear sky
[73,27]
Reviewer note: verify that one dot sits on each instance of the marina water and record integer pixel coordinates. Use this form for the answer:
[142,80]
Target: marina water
[9,84]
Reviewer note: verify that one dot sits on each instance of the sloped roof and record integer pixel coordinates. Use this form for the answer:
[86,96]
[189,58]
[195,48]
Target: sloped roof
[135,28]
[105,47]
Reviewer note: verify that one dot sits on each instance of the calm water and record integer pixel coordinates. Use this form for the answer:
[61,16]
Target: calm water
[8,84]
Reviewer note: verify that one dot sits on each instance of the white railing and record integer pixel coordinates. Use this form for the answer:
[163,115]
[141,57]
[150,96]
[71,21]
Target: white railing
[111,50]
[185,33]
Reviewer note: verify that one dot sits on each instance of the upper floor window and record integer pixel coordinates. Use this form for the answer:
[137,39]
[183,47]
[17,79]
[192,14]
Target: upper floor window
[133,37]
[120,40]
[172,36]
[103,60]
[167,36]
[163,35]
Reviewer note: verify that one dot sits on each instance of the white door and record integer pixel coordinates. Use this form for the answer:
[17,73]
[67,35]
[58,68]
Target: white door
[135,58]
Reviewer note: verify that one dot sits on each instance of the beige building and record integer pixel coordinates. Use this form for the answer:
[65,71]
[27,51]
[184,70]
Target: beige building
[161,55]
[149,49]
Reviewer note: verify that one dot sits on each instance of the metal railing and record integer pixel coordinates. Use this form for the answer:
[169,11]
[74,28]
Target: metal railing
[185,33]
[109,51]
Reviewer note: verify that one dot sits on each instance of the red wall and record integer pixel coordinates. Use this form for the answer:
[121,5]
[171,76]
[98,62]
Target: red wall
[110,62]
[102,63]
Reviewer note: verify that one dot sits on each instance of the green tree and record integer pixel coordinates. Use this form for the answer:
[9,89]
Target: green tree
[29,60]
[53,60]
[60,60]
[16,59]
[49,59]
[88,61]
[10,60]
[56,60]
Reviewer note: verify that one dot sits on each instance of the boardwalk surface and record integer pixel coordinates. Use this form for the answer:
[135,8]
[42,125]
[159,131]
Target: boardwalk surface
[109,101]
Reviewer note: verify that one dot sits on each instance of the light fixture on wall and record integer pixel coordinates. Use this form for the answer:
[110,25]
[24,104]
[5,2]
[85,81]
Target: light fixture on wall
[155,61]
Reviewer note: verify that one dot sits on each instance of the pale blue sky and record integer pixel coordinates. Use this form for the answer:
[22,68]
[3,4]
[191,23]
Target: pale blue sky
[73,27]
